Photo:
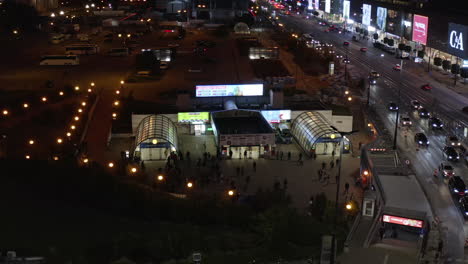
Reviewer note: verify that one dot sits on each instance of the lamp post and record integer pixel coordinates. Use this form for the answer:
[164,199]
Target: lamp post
[337,194]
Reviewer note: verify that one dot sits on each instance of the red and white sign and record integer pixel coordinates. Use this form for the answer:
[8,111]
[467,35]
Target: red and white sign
[402,221]
[420,24]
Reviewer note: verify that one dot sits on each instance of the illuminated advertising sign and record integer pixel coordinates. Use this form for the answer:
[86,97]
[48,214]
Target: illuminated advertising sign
[457,40]
[276,116]
[402,221]
[229,90]
[381,17]
[366,14]
[194,117]
[317,4]
[309,4]
[327,6]
[420,24]
[346,7]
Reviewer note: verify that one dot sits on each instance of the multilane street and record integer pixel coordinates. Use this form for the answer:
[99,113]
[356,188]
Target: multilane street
[440,101]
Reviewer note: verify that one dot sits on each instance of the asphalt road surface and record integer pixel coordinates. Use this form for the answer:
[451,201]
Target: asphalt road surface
[440,101]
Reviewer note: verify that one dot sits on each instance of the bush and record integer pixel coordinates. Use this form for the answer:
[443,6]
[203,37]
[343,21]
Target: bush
[438,61]
[446,65]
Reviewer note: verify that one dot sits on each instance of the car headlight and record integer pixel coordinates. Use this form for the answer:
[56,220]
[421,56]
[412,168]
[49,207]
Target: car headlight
[466,191]
[441,125]
[453,144]
[427,142]
[459,144]
[420,142]
[455,190]
[434,125]
[466,213]
[450,157]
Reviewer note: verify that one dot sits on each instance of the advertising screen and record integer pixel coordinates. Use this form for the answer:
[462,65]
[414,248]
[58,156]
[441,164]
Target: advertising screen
[420,24]
[327,6]
[366,14]
[309,4]
[457,40]
[402,221]
[317,4]
[276,116]
[193,117]
[346,7]
[381,17]
[229,90]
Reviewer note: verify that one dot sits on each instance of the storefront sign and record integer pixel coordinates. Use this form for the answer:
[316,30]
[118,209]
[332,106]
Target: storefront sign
[276,116]
[327,6]
[366,14]
[229,90]
[457,40]
[194,117]
[247,140]
[346,7]
[381,17]
[402,221]
[420,24]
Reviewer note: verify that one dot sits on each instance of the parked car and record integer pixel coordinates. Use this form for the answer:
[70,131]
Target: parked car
[421,139]
[435,123]
[426,87]
[397,67]
[451,154]
[446,170]
[346,43]
[457,186]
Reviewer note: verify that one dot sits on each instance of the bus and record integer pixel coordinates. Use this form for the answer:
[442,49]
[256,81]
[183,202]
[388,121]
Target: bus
[59,60]
[82,49]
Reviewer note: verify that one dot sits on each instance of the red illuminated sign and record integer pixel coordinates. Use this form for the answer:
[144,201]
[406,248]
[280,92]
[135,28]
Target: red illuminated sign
[402,221]
[420,24]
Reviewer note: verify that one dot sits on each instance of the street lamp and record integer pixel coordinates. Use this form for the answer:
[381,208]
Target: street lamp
[31,142]
[77,88]
[44,99]
[61,93]
[68,134]
[116,103]
[5,112]
[25,105]
[59,141]
[110,165]
[76,118]
[27,157]
[83,103]
[73,127]
[133,170]
[231,192]
[189,185]
[160,178]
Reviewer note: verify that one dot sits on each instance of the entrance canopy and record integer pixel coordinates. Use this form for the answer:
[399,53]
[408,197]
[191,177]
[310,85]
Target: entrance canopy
[157,131]
[310,128]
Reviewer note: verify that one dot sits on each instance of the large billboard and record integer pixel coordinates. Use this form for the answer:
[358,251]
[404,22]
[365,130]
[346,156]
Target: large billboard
[229,90]
[381,17]
[457,40]
[346,7]
[327,6]
[246,139]
[420,24]
[366,14]
[276,116]
[193,117]
[402,221]
[317,4]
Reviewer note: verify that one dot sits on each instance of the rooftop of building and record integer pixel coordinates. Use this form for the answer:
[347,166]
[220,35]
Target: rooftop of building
[240,122]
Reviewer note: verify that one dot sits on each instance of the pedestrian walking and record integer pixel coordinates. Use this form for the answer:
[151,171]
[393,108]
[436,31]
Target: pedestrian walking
[332,164]
[281,155]
[346,188]
[247,179]
[285,183]
[333,153]
[187,155]
[319,173]
[315,156]
[337,162]
[254,166]
[245,154]
[277,155]
[242,171]
[289,155]
[324,165]
[230,154]
[198,162]
[382,233]
[300,156]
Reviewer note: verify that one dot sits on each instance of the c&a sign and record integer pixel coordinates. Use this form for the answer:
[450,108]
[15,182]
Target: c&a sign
[457,42]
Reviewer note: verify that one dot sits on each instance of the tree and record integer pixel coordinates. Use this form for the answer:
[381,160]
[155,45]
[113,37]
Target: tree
[446,65]
[455,69]
[438,61]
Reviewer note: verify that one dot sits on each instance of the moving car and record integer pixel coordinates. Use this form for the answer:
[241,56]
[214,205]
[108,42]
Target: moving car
[392,107]
[374,74]
[435,123]
[451,154]
[421,139]
[346,43]
[464,206]
[372,81]
[363,49]
[346,61]
[416,104]
[164,65]
[452,141]
[397,67]
[406,121]
[426,87]
[457,186]
[446,170]
[423,113]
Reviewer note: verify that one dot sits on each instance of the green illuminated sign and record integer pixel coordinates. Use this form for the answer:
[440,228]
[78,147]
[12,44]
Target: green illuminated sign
[193,117]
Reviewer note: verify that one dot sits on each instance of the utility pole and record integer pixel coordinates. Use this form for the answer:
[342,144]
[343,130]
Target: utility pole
[368,93]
